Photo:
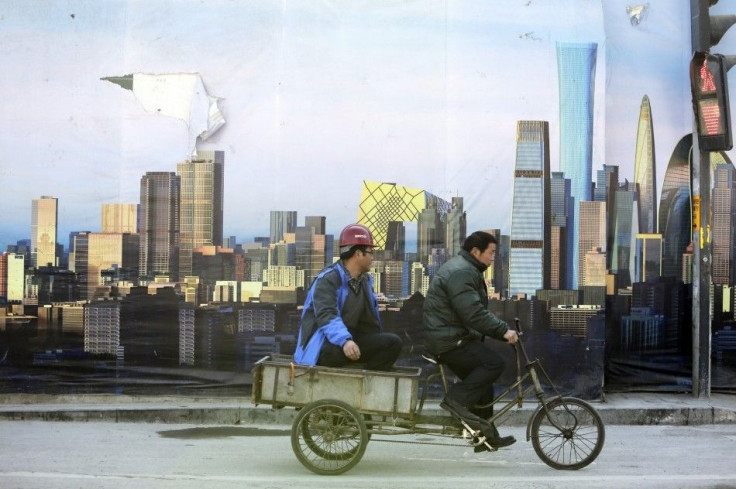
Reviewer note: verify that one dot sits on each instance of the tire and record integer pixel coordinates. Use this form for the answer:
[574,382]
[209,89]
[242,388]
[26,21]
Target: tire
[578,443]
[329,437]
[315,446]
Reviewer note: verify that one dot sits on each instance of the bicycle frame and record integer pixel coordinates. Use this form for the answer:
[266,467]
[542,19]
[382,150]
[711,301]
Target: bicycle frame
[502,407]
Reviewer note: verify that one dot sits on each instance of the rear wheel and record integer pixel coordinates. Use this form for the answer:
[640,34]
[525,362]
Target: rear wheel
[569,435]
[329,437]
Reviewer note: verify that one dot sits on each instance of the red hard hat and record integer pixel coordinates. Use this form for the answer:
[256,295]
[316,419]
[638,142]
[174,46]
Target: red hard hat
[355,235]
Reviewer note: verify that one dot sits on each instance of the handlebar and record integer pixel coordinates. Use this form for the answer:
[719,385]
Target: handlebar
[517,323]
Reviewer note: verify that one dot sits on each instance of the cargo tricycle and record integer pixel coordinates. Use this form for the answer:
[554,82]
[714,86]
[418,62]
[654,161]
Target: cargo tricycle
[339,409]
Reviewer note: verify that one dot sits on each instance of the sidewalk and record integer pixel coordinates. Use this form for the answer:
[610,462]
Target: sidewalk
[617,409]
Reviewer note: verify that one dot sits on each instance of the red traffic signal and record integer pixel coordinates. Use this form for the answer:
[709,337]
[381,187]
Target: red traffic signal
[709,86]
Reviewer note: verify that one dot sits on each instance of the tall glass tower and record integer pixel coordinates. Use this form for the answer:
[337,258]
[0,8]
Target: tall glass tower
[396,240]
[201,205]
[625,228]
[724,222]
[645,170]
[529,256]
[560,224]
[159,225]
[674,209]
[44,220]
[456,228]
[281,222]
[576,79]
[592,233]
[311,245]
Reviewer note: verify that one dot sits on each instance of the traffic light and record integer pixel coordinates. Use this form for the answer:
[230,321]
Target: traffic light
[708,77]
[709,84]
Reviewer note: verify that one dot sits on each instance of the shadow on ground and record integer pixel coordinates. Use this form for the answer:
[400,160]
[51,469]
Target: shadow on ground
[221,432]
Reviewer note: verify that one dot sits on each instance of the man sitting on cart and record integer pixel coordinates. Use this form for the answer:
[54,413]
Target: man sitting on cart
[456,318]
[340,322]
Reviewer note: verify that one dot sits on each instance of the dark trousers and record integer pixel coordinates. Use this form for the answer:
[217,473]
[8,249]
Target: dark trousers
[378,351]
[478,367]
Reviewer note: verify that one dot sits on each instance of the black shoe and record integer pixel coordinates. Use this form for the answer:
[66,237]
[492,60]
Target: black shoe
[500,441]
[495,444]
[494,439]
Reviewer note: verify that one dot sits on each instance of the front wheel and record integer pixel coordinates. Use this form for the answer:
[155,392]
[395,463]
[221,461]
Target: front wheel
[329,437]
[568,435]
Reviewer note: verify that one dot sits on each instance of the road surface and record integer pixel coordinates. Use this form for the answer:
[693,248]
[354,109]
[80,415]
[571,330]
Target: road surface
[37,454]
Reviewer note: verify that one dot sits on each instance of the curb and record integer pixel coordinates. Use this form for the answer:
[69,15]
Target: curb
[246,414]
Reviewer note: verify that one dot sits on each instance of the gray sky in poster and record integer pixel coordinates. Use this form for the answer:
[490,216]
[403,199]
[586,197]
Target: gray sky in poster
[319,96]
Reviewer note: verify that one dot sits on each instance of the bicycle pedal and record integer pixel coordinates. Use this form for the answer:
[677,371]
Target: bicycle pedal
[484,447]
[472,432]
[478,442]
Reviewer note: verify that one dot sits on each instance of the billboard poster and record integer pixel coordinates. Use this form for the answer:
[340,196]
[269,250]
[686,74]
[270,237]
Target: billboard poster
[175,175]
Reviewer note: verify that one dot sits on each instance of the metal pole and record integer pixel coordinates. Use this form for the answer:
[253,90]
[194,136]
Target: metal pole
[701,315]
[700,170]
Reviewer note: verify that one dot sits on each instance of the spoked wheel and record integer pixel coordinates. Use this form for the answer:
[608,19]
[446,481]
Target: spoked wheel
[569,435]
[329,437]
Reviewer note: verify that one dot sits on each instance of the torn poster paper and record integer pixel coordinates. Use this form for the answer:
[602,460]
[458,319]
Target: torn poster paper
[637,13]
[180,95]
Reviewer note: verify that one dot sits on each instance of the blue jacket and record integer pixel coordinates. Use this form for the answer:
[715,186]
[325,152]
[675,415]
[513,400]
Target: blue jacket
[322,315]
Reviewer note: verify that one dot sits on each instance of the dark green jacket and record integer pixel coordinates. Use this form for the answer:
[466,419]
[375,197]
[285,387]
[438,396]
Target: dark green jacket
[456,306]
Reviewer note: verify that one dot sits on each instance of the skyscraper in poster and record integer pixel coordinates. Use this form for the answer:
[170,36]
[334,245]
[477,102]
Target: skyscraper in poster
[576,64]
[382,203]
[625,229]
[281,222]
[310,252]
[3,275]
[529,257]
[592,233]
[724,222]
[395,241]
[201,180]
[159,225]
[645,175]
[674,209]
[560,226]
[456,227]
[120,218]
[44,222]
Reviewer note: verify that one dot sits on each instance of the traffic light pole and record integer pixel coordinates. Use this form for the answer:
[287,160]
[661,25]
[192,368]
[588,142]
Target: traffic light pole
[701,315]
[700,171]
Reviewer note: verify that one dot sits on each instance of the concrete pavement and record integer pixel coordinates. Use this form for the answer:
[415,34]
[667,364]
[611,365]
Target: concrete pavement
[104,455]
[616,409]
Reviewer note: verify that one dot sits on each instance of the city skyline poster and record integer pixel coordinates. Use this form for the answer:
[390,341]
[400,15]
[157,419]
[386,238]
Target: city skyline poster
[307,103]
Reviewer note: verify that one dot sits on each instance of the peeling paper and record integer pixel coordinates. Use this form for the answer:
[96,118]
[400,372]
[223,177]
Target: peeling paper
[637,13]
[179,95]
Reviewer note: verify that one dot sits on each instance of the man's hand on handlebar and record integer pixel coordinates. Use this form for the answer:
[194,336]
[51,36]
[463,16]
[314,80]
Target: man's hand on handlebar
[511,336]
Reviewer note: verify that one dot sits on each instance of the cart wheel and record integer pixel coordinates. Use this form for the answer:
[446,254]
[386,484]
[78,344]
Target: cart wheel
[569,435]
[329,437]
[314,446]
